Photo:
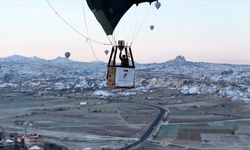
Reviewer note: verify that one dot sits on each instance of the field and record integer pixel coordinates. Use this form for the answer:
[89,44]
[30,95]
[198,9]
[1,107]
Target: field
[192,121]
[107,123]
[201,122]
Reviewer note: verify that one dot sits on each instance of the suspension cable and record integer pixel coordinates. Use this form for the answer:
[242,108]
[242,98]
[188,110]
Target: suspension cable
[86,26]
[72,27]
[147,16]
[134,24]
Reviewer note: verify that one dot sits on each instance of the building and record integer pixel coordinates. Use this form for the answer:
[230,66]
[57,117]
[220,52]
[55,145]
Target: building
[33,142]
[8,144]
[35,148]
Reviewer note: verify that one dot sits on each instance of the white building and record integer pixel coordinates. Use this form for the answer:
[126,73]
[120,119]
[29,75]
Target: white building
[35,148]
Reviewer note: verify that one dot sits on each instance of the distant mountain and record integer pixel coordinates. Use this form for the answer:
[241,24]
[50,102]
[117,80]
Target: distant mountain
[61,60]
[178,60]
[15,58]
[44,76]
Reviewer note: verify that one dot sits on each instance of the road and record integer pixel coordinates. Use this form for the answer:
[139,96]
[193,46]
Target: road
[150,130]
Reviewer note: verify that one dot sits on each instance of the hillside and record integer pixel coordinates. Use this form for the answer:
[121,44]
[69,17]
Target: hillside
[23,74]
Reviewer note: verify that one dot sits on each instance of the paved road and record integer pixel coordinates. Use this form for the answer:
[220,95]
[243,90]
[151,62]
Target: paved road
[150,130]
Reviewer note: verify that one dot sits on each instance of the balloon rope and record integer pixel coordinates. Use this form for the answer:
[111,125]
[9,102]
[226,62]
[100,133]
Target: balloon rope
[147,16]
[135,22]
[73,28]
[88,37]
[113,40]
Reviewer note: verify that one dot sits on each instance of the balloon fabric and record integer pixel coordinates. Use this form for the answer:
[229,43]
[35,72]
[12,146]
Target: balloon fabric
[109,12]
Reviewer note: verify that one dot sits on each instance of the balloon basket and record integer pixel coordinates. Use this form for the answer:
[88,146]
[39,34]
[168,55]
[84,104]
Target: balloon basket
[118,74]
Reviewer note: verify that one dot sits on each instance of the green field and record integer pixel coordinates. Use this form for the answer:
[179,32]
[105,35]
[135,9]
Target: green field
[172,130]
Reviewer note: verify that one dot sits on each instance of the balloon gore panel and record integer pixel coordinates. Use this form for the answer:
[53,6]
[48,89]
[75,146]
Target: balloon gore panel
[110,12]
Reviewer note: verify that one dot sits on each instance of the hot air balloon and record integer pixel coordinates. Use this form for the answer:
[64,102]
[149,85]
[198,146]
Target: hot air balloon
[157,5]
[106,52]
[152,27]
[67,55]
[109,13]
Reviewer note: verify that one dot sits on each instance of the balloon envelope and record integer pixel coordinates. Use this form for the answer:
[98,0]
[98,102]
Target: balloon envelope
[152,27]
[67,55]
[157,5]
[109,12]
[106,52]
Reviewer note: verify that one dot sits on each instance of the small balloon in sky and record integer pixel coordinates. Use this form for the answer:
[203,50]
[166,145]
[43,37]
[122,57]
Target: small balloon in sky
[67,55]
[157,5]
[106,52]
[152,27]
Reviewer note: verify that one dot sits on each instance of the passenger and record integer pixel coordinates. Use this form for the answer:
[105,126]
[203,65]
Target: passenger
[124,60]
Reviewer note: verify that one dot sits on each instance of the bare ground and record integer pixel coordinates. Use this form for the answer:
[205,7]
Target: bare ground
[199,121]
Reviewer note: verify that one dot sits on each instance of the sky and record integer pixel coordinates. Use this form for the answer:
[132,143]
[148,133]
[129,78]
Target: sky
[215,31]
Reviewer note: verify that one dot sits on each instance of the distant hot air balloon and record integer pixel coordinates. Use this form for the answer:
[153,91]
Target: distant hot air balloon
[67,55]
[157,5]
[152,27]
[106,52]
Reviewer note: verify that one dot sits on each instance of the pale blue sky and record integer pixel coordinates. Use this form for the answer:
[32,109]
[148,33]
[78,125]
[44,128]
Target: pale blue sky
[201,30]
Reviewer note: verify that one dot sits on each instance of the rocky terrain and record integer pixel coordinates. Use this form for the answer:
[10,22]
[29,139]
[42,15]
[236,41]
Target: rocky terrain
[22,74]
[189,105]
